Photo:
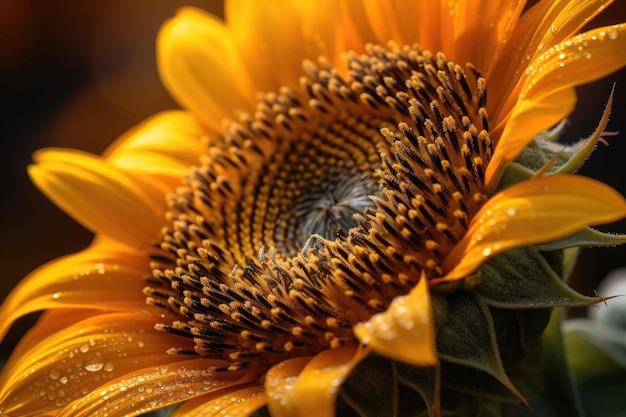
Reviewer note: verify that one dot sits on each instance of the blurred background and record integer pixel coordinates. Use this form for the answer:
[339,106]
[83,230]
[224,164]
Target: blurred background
[79,73]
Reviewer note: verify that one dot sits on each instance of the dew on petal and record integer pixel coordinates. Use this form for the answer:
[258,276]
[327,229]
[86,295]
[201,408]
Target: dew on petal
[54,374]
[94,365]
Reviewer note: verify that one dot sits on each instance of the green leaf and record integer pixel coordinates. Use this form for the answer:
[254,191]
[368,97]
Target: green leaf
[522,278]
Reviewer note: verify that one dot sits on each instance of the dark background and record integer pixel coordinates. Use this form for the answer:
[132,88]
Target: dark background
[79,73]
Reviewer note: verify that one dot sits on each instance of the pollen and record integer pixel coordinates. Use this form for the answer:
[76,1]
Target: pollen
[314,213]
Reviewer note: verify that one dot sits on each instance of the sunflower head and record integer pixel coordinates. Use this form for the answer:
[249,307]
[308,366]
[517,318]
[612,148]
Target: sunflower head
[369,235]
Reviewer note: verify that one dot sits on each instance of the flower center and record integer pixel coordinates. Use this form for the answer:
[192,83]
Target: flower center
[313,214]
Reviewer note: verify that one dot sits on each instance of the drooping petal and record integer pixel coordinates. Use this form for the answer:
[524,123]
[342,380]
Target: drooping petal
[548,94]
[297,386]
[302,29]
[405,331]
[555,206]
[237,402]
[100,277]
[78,359]
[127,207]
[164,146]
[199,65]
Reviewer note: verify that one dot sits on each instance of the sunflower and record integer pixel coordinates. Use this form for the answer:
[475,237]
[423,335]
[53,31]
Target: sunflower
[338,202]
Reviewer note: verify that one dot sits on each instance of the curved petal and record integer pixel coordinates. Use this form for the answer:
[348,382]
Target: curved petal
[104,199]
[164,146]
[548,95]
[546,24]
[199,65]
[405,331]
[157,387]
[275,36]
[534,211]
[237,402]
[100,277]
[79,359]
[297,386]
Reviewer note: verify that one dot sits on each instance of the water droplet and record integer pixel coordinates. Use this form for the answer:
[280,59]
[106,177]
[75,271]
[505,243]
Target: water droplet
[94,365]
[63,380]
[109,366]
[55,295]
[562,55]
[612,34]
[486,251]
[586,55]
[511,211]
[54,374]
[84,348]
[140,344]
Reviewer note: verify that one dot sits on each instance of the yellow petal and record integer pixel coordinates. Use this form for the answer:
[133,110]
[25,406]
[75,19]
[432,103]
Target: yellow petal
[405,331]
[546,24]
[155,387]
[473,40]
[237,402]
[105,200]
[297,386]
[453,28]
[199,65]
[165,145]
[548,93]
[534,211]
[96,278]
[80,358]
[275,36]
[413,22]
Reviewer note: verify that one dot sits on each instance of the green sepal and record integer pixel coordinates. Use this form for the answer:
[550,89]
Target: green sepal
[426,382]
[588,237]
[544,150]
[466,337]
[523,279]
[545,379]
[372,388]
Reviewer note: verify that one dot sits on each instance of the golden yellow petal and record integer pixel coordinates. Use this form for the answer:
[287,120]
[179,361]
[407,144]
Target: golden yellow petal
[480,30]
[275,36]
[413,22]
[548,93]
[457,29]
[405,331]
[297,386]
[237,402]
[97,278]
[126,207]
[199,65]
[279,382]
[80,358]
[546,24]
[156,386]
[534,211]
[164,146]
